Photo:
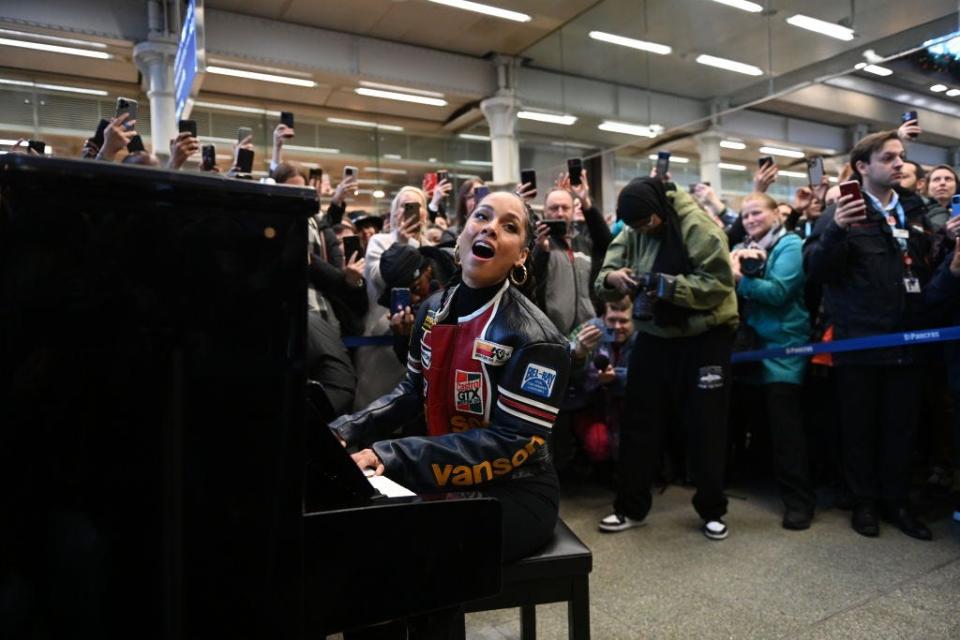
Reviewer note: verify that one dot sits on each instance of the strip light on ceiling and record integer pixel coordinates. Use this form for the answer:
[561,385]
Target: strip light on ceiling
[785,153]
[485,9]
[293,147]
[875,69]
[642,45]
[578,145]
[821,26]
[264,77]
[793,174]
[55,48]
[364,123]
[729,65]
[953,93]
[743,5]
[236,107]
[729,166]
[939,88]
[477,163]
[639,130]
[54,87]
[391,87]
[43,36]
[402,97]
[676,159]
[551,118]
[733,144]
[474,136]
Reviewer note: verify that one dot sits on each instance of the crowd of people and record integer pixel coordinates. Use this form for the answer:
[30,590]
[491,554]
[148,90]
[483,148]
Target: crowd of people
[518,344]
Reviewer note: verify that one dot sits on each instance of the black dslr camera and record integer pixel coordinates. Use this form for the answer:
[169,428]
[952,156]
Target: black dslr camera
[752,267]
[650,288]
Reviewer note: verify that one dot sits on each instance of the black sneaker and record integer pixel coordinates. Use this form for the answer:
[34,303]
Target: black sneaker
[619,522]
[715,529]
[865,521]
[797,519]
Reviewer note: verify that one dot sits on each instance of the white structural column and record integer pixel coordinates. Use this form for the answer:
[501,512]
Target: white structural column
[608,184]
[155,61]
[501,114]
[708,146]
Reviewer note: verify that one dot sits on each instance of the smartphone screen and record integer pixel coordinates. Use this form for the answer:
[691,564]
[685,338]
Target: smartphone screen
[286,118]
[38,145]
[764,161]
[558,228]
[429,182]
[208,157]
[136,144]
[851,188]
[351,245]
[98,135]
[815,171]
[243,132]
[529,176]
[955,206]
[188,125]
[907,117]
[663,164]
[443,175]
[126,105]
[399,299]
[349,171]
[245,160]
[575,168]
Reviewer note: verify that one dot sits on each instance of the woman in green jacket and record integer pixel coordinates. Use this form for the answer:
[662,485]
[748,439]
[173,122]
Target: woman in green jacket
[768,268]
[675,258]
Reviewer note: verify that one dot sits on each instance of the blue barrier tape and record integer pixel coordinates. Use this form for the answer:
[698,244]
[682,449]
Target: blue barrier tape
[852,344]
[944,334]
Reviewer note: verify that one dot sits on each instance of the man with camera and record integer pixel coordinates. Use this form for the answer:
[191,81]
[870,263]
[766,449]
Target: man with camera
[871,252]
[674,258]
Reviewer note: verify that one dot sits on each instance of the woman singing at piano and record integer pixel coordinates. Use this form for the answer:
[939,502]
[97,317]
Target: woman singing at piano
[485,376]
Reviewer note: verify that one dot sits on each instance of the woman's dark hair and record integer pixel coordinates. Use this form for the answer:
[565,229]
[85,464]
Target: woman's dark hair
[286,171]
[462,196]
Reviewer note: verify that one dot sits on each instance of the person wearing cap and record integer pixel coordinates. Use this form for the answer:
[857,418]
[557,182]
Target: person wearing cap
[366,225]
[674,258]
[403,266]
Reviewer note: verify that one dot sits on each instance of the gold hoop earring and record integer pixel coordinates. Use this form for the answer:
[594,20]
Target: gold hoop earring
[456,254]
[519,282]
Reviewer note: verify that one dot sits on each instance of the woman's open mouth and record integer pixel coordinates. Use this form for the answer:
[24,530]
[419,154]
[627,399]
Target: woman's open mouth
[483,250]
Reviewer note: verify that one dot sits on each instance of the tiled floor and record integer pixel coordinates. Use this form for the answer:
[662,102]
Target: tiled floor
[665,580]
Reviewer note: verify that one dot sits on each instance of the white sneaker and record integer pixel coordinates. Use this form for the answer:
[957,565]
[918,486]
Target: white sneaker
[619,522]
[715,529]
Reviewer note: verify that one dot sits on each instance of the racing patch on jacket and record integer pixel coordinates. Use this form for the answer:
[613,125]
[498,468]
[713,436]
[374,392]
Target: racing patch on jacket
[710,378]
[491,353]
[538,380]
[429,321]
[468,392]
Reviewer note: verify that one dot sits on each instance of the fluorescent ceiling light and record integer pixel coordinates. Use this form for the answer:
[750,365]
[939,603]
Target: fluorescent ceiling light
[390,87]
[877,70]
[54,87]
[236,64]
[777,151]
[256,75]
[552,118]
[733,144]
[486,9]
[402,97]
[42,36]
[627,128]
[833,179]
[55,48]
[365,123]
[474,136]
[729,166]
[385,170]
[938,88]
[729,65]
[393,156]
[477,163]
[579,145]
[821,26]
[293,147]
[953,93]
[743,5]
[215,139]
[642,45]
[676,159]
[378,193]
[235,107]
[793,174]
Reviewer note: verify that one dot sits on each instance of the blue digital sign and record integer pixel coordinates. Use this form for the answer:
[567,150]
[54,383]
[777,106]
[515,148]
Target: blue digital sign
[190,63]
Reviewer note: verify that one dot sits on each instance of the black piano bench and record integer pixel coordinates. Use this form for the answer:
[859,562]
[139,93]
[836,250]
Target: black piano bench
[558,573]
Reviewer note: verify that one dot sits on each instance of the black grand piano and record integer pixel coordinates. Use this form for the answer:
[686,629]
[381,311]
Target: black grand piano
[163,476]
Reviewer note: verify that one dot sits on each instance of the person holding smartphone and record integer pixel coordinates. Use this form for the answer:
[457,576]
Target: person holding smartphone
[184,145]
[673,258]
[870,251]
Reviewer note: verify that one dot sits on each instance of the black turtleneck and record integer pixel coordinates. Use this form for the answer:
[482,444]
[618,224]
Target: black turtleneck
[466,300]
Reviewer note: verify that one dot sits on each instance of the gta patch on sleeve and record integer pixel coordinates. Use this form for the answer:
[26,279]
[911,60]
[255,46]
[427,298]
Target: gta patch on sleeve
[710,378]
[538,380]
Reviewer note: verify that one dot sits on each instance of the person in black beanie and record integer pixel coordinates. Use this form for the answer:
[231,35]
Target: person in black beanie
[405,267]
[674,258]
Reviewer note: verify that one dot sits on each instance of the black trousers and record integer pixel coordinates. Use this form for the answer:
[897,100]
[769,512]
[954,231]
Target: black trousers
[785,417]
[676,383]
[878,409]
